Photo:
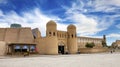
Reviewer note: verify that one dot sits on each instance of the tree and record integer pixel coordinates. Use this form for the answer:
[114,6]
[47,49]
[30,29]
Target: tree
[104,44]
[90,45]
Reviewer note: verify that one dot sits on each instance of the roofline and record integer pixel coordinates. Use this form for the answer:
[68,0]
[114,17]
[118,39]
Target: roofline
[89,37]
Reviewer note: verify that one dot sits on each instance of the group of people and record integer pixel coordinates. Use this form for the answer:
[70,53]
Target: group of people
[112,51]
[26,54]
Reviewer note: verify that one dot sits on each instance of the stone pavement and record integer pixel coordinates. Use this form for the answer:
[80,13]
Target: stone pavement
[78,60]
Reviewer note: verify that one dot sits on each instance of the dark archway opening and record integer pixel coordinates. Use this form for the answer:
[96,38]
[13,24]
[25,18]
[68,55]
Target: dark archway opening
[25,48]
[61,49]
[17,48]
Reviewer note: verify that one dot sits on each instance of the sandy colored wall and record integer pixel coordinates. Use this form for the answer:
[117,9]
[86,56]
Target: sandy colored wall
[2,34]
[40,45]
[98,46]
[51,45]
[11,35]
[82,45]
[93,50]
[47,45]
[72,45]
[2,48]
[14,35]
[82,41]
[26,36]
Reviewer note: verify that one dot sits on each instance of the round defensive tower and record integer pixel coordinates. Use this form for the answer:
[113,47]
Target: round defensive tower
[51,35]
[51,28]
[72,39]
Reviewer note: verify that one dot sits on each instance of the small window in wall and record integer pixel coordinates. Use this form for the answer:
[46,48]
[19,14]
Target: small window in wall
[57,34]
[53,33]
[25,48]
[72,35]
[17,48]
[50,33]
[32,48]
[34,36]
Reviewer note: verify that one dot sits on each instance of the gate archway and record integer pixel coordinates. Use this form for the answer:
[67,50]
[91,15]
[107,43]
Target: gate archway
[61,49]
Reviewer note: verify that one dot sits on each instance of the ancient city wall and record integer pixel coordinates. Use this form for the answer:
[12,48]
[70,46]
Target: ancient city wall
[41,45]
[2,48]
[51,45]
[93,50]
[2,34]
[26,36]
[11,35]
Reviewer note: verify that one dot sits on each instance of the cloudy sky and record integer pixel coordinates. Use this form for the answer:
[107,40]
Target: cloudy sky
[93,18]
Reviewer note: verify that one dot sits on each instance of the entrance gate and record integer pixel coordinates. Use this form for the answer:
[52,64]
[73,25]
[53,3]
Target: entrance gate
[61,49]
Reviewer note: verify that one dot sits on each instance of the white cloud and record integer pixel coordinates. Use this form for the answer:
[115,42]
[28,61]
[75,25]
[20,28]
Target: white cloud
[31,19]
[86,25]
[89,25]
[104,5]
[115,2]
[62,27]
[4,25]
[114,35]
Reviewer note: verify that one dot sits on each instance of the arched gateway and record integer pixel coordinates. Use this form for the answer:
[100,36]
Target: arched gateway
[61,48]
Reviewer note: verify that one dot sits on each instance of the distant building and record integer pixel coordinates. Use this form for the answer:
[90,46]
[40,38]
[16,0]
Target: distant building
[82,41]
[17,40]
[15,25]
[116,44]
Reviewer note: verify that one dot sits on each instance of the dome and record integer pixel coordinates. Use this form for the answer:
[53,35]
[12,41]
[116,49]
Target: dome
[71,26]
[51,23]
[14,25]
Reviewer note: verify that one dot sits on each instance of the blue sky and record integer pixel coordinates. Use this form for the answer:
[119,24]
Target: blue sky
[93,18]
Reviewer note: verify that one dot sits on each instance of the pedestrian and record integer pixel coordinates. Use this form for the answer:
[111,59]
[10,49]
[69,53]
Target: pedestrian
[111,51]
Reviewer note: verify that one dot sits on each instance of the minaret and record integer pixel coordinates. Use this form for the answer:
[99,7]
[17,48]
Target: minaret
[104,38]
[104,41]
[72,39]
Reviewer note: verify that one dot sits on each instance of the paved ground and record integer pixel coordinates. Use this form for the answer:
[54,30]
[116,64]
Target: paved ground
[81,60]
